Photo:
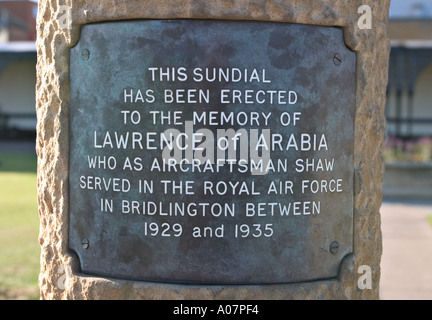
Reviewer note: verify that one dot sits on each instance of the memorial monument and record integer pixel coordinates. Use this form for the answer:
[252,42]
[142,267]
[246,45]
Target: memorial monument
[196,150]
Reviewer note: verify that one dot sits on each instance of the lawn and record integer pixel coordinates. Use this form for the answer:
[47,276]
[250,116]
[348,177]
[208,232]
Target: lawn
[19,227]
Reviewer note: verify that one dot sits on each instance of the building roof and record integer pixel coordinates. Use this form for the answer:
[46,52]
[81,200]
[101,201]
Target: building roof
[18,46]
[412,44]
[410,29]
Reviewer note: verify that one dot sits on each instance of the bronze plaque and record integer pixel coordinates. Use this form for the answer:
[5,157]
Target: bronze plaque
[211,152]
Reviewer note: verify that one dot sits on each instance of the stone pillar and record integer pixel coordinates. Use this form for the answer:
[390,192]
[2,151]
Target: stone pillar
[327,108]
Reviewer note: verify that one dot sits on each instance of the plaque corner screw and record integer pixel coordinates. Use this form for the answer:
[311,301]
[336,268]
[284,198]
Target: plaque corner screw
[85,243]
[334,246]
[85,54]
[337,58]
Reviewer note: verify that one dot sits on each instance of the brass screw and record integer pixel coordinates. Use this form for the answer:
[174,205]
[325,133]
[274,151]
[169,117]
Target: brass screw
[337,59]
[334,246]
[85,243]
[85,54]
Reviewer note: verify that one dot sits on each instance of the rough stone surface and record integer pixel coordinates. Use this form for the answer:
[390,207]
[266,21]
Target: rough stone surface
[59,278]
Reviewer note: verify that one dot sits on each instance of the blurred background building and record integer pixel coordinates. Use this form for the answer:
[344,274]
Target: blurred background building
[408,147]
[409,93]
[17,68]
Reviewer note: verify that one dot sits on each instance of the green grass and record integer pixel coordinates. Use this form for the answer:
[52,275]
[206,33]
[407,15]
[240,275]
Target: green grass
[19,227]
[429,218]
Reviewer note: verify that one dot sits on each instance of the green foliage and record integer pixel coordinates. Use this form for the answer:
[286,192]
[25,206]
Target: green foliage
[429,218]
[416,150]
[19,227]
[17,162]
